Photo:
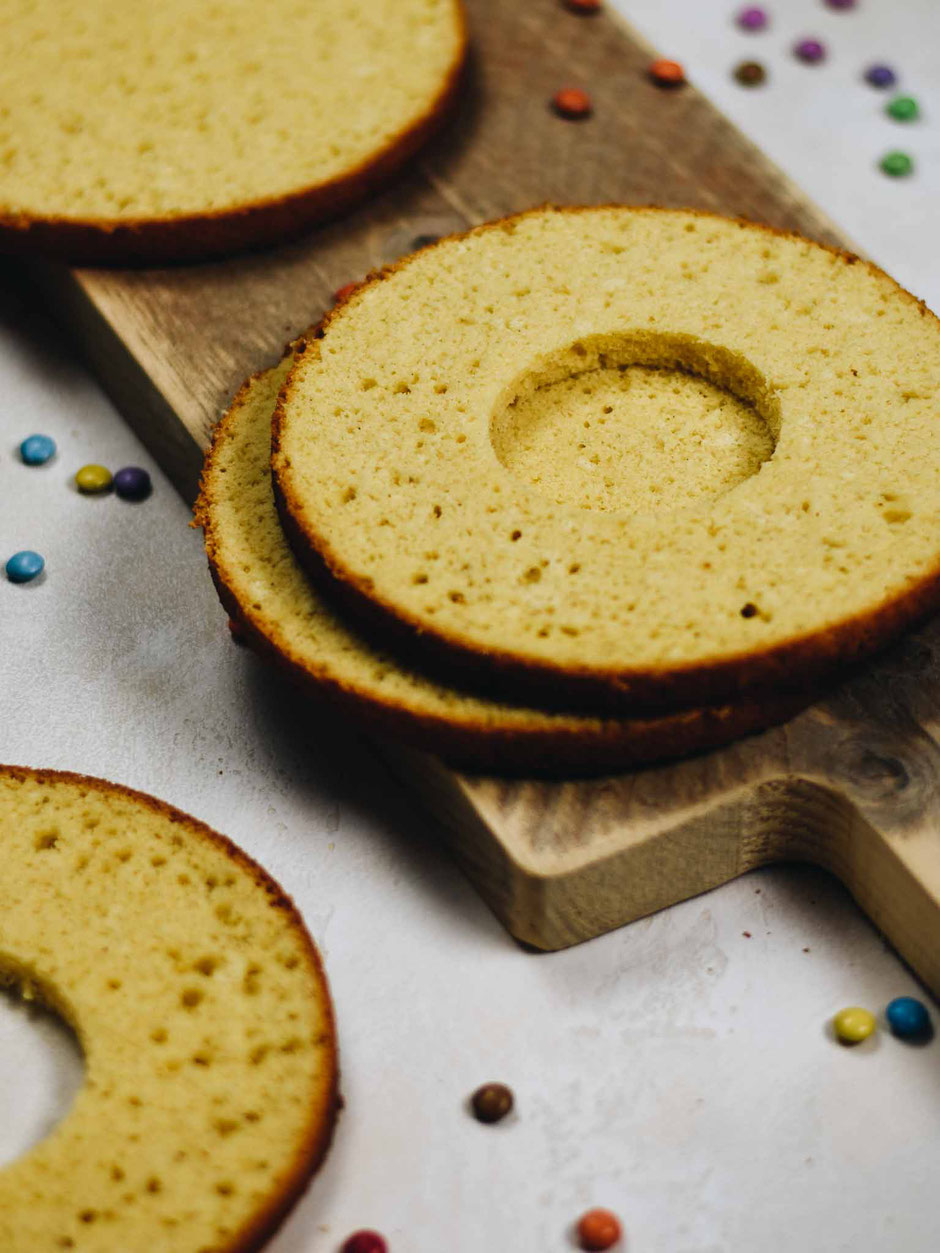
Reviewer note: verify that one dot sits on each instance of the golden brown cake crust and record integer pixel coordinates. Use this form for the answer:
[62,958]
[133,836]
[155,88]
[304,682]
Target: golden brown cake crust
[263,223]
[543,743]
[802,661]
[326,1102]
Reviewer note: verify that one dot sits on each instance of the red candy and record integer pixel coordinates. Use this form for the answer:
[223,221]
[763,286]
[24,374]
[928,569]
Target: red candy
[365,1242]
[598,1229]
[666,73]
[572,103]
[344,292]
[584,6]
[237,631]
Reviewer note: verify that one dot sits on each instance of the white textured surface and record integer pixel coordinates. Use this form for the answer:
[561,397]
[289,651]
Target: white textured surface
[675,1071]
[822,123]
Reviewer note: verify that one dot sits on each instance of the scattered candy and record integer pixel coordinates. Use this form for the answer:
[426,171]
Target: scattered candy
[902,108]
[365,1242]
[492,1102]
[752,18]
[880,76]
[584,6]
[908,1018]
[812,51]
[598,1229]
[665,73]
[237,631]
[750,73]
[36,450]
[572,103]
[133,483]
[853,1025]
[92,479]
[24,566]
[344,292]
[897,164]
[423,241]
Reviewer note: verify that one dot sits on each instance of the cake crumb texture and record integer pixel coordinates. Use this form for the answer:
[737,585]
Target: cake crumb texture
[293,623]
[622,455]
[201,1008]
[115,114]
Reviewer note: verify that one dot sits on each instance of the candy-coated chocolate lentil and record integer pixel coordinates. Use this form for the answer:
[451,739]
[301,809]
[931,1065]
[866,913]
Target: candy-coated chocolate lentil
[812,51]
[24,566]
[853,1025]
[666,73]
[344,292]
[908,1018]
[237,631]
[365,1242]
[133,483]
[93,478]
[897,164]
[572,103]
[902,108]
[492,1102]
[36,450]
[880,76]
[752,18]
[598,1229]
[841,4]
[584,7]
[750,73]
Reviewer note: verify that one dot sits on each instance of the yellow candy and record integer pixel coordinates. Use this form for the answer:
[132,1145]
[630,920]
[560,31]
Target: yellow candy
[853,1025]
[92,478]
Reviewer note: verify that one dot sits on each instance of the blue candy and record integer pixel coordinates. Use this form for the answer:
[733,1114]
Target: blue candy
[36,450]
[133,483]
[24,566]
[881,76]
[908,1018]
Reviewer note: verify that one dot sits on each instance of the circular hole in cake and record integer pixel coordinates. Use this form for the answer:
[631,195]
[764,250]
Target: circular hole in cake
[43,1068]
[636,423]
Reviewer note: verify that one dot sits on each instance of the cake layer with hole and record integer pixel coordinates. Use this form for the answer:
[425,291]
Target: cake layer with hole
[201,1008]
[136,132]
[627,458]
[289,621]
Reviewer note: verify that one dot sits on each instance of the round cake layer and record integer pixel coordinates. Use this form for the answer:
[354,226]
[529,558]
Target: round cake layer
[261,584]
[202,1010]
[447,452]
[141,132]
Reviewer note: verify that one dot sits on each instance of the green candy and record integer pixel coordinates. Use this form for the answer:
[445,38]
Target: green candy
[903,108]
[897,164]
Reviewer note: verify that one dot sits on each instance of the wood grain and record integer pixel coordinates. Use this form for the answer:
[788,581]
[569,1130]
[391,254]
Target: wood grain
[851,785]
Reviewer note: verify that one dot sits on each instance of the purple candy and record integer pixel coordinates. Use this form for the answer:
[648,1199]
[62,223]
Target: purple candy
[841,4]
[881,76]
[132,483]
[752,18]
[810,50]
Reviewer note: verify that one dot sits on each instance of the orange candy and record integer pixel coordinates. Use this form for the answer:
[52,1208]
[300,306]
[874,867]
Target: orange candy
[572,103]
[598,1229]
[344,292]
[667,73]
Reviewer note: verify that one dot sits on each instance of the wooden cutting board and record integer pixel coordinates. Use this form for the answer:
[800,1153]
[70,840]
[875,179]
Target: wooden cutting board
[851,785]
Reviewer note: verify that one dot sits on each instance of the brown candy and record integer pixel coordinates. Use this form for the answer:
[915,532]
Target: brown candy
[492,1102]
[750,73]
